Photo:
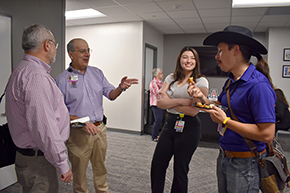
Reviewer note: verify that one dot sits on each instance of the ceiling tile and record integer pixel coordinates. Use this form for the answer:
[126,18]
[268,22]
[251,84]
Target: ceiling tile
[182,14]
[215,20]
[176,5]
[212,4]
[215,12]
[74,5]
[191,21]
[91,21]
[144,8]
[154,16]
[161,22]
[116,10]
[249,11]
[132,1]
[97,3]
[246,19]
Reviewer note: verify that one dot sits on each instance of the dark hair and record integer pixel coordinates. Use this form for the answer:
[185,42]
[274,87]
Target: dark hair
[178,73]
[261,65]
[280,96]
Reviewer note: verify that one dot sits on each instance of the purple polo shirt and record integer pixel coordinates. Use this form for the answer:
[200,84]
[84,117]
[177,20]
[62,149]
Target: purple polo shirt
[84,97]
[252,101]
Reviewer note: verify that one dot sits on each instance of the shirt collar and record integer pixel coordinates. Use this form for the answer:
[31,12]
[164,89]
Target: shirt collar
[247,74]
[71,69]
[46,67]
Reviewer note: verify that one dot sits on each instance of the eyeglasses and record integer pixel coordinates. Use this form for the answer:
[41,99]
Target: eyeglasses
[82,51]
[55,44]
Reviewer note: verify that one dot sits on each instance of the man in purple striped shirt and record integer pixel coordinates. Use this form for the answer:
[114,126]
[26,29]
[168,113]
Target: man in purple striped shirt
[37,117]
[83,88]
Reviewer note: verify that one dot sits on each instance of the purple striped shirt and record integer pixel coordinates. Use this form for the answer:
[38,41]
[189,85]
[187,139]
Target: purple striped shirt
[84,97]
[155,86]
[36,114]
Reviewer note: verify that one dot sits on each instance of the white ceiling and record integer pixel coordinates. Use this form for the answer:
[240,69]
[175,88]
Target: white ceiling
[182,16]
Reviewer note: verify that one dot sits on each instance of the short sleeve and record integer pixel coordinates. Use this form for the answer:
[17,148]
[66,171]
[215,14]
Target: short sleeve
[169,78]
[202,82]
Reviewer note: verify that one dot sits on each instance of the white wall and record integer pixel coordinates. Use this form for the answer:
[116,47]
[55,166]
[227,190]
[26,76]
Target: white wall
[117,51]
[278,40]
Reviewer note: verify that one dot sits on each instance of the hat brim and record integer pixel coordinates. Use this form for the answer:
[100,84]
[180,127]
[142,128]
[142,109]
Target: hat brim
[233,37]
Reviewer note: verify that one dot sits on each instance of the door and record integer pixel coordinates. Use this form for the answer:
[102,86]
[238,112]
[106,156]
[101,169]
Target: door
[150,63]
[7,174]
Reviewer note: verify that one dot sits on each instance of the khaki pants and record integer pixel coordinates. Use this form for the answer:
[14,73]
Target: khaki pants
[83,148]
[36,174]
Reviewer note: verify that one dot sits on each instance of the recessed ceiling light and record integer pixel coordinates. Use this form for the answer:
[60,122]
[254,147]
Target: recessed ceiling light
[83,14]
[259,3]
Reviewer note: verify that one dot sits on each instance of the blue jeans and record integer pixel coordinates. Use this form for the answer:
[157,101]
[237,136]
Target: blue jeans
[238,175]
[158,117]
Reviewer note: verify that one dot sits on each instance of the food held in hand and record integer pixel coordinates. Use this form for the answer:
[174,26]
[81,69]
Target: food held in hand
[203,105]
[190,80]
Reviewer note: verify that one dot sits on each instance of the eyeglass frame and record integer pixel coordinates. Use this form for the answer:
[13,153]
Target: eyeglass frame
[55,44]
[82,51]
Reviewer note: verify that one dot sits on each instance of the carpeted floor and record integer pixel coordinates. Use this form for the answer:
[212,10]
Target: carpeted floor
[128,163]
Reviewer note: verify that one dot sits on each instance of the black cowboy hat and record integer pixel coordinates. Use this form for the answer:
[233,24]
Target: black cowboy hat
[238,35]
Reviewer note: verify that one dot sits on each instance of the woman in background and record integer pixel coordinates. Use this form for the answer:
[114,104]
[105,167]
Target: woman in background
[155,86]
[282,111]
[181,132]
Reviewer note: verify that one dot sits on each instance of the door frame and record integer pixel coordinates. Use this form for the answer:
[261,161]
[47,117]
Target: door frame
[144,99]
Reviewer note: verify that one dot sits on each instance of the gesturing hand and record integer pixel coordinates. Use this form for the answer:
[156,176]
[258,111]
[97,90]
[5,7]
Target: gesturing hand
[126,82]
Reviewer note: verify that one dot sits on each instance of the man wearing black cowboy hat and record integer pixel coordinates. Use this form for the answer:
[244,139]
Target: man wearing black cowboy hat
[251,111]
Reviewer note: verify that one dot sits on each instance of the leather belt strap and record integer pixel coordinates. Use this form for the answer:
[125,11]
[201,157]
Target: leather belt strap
[97,123]
[30,152]
[246,154]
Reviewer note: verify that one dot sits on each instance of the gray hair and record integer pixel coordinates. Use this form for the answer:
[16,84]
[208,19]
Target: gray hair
[70,45]
[34,36]
[156,71]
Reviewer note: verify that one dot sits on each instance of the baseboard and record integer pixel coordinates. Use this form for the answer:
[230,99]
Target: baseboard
[124,131]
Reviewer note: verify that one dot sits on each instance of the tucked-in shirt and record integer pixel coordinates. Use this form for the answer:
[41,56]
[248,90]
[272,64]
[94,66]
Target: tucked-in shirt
[181,92]
[154,87]
[84,97]
[252,101]
[37,116]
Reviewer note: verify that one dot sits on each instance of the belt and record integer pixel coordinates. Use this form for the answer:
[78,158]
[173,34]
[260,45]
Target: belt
[246,154]
[97,123]
[30,152]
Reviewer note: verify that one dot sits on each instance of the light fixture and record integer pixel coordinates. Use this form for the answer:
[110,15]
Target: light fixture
[83,14]
[259,3]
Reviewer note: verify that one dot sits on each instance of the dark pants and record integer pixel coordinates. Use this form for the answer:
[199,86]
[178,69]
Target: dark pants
[158,119]
[182,146]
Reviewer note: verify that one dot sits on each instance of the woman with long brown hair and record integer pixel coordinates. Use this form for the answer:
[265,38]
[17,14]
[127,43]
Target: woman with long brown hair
[181,133]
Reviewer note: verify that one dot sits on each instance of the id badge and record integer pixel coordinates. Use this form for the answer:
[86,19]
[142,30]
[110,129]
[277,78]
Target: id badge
[73,79]
[179,125]
[221,129]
